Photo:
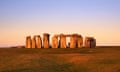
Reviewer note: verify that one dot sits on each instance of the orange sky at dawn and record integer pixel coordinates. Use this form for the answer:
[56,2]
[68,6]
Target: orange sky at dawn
[96,18]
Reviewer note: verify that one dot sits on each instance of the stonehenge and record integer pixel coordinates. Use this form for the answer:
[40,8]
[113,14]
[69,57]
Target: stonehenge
[60,41]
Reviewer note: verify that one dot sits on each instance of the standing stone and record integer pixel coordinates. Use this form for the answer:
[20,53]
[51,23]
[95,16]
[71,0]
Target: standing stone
[28,42]
[90,42]
[34,42]
[38,41]
[87,42]
[46,40]
[62,41]
[55,41]
[79,41]
[93,43]
[73,41]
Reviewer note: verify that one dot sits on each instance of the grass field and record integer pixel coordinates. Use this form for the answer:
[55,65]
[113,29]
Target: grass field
[60,60]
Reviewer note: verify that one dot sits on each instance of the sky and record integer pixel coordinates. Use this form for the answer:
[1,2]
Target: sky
[94,18]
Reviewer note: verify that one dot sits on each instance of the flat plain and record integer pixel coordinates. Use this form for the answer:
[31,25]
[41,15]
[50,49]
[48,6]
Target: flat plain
[101,59]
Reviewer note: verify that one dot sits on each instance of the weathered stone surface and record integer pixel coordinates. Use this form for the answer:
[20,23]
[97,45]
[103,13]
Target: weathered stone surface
[79,41]
[90,42]
[63,41]
[38,41]
[55,41]
[46,40]
[59,41]
[28,42]
[34,42]
[73,41]
[87,41]
[93,43]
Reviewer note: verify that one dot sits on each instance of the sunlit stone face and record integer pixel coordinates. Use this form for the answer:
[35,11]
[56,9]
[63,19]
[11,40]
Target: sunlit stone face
[55,41]
[38,41]
[79,41]
[62,41]
[28,42]
[46,40]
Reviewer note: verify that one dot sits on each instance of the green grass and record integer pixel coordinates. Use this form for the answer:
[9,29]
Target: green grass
[60,60]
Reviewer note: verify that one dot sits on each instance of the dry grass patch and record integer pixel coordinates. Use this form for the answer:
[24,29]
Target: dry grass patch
[76,58]
[60,60]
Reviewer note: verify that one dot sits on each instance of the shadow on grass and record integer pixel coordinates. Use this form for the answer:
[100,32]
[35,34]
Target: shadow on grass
[59,68]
